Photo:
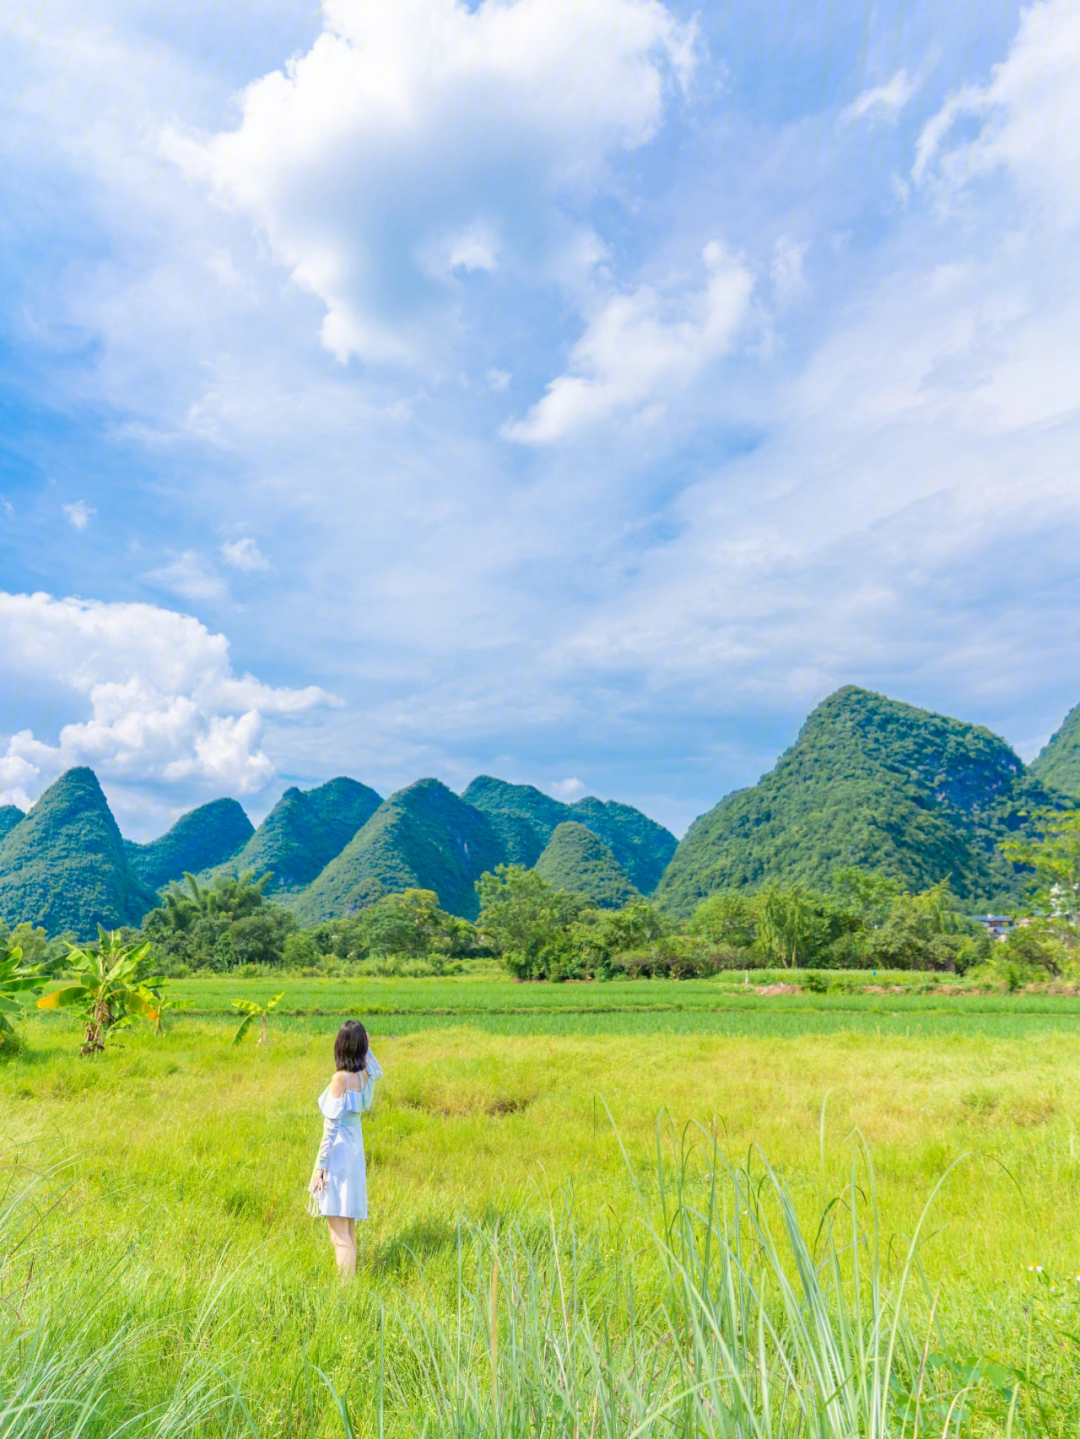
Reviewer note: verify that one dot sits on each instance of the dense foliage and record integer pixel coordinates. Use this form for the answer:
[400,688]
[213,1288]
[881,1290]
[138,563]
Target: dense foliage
[869,783]
[525,819]
[10,816]
[204,837]
[576,860]
[1058,763]
[64,867]
[222,926]
[304,831]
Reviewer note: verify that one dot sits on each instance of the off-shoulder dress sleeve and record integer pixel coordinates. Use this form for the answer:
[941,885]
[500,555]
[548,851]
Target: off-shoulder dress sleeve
[353,1101]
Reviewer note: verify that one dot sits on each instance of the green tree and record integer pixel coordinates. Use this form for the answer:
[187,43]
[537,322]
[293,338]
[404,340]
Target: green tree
[598,936]
[867,893]
[727,918]
[220,926]
[528,920]
[1053,854]
[114,982]
[786,923]
[409,923]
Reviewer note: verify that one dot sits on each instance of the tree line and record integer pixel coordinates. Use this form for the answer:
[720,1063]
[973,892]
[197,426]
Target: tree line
[865,921]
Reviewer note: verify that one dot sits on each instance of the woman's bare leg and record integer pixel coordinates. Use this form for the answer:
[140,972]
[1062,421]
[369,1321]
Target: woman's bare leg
[343,1238]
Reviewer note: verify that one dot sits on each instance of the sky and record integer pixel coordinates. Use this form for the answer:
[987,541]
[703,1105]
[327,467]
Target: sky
[576,391]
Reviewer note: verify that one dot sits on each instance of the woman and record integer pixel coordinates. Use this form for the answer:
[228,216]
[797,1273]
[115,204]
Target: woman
[339,1180]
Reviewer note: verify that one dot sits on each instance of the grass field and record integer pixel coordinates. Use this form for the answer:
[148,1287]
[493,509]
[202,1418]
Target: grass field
[184,1162]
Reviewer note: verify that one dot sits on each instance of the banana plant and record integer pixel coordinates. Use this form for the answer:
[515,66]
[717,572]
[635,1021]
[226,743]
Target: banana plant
[251,1012]
[15,978]
[113,984]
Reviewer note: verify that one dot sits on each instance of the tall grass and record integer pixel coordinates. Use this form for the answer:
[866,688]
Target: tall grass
[740,1327]
[61,1376]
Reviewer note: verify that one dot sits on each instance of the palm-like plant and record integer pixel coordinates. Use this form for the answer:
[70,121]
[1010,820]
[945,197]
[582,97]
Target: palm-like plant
[113,984]
[15,978]
[251,1012]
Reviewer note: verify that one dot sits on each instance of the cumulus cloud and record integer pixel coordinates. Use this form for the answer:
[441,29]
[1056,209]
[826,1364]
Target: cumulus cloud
[640,349]
[164,703]
[80,514]
[244,555]
[434,128]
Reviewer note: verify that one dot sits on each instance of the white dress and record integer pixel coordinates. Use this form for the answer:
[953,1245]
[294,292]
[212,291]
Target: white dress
[341,1153]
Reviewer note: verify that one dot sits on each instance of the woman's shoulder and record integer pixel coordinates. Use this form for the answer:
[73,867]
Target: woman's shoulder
[339,1084]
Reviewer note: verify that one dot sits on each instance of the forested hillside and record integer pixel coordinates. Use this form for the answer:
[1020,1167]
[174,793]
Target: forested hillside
[873,783]
[10,816]
[304,831]
[576,861]
[64,866]
[525,819]
[1058,763]
[423,837]
[198,840]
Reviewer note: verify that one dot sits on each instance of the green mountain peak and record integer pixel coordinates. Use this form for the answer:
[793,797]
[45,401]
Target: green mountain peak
[64,867]
[10,816]
[200,839]
[870,782]
[304,831]
[422,837]
[525,819]
[1058,762]
[576,860]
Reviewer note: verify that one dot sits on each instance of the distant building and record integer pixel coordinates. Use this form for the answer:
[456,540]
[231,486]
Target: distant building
[998,924]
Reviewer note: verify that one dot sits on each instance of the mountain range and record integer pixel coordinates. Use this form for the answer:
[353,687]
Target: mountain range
[869,781]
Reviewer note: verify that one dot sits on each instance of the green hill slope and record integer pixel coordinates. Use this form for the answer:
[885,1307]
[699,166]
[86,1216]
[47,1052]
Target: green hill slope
[423,837]
[575,859]
[64,865]
[1058,763]
[522,816]
[868,782]
[642,847]
[304,831]
[525,819]
[200,839]
[10,816]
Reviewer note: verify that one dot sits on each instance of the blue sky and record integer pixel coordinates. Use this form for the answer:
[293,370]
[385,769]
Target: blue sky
[571,390]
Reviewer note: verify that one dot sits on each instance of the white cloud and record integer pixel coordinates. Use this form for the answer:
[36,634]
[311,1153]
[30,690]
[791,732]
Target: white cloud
[498,380]
[1030,113]
[882,102]
[567,790]
[80,514]
[165,705]
[244,555]
[188,576]
[408,123]
[640,349]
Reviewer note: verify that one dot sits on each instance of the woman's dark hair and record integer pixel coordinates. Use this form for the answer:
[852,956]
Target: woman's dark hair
[350,1047]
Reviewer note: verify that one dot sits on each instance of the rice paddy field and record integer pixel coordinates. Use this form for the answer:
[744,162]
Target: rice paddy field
[643,1208]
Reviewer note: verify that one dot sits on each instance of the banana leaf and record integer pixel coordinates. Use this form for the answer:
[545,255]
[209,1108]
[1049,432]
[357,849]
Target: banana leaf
[63,998]
[245,1025]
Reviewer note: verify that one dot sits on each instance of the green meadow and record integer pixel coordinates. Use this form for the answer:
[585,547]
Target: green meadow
[588,1203]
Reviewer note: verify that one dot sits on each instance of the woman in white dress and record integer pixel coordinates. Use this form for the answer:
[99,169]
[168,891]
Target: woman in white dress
[339,1180]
